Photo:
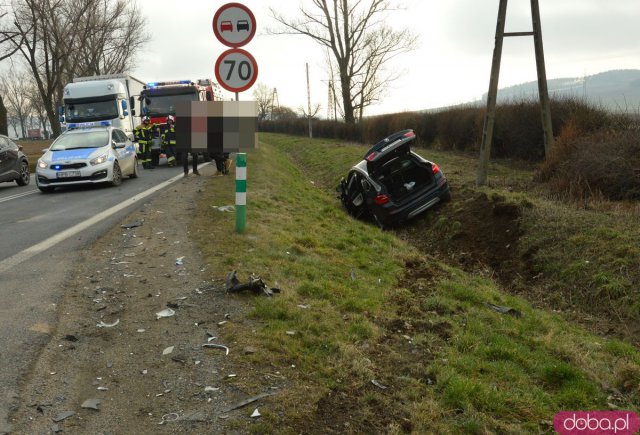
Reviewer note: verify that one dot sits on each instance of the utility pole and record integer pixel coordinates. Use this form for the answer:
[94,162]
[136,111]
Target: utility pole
[309,103]
[274,98]
[487,133]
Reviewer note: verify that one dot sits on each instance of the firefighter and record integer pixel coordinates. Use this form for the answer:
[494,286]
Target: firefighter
[144,136]
[169,140]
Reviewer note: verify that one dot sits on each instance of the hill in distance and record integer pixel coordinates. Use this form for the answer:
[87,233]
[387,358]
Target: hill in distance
[615,90]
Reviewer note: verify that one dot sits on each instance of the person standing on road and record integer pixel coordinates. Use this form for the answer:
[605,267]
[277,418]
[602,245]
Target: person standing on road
[169,140]
[144,136]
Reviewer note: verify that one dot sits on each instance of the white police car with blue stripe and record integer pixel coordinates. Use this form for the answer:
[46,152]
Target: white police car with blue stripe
[87,153]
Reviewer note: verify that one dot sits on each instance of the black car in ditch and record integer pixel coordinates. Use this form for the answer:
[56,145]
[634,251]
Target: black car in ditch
[392,183]
[14,165]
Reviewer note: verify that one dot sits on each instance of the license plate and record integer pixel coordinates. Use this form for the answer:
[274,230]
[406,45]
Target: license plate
[67,174]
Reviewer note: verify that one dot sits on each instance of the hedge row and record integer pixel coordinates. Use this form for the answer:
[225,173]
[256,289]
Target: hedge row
[517,131]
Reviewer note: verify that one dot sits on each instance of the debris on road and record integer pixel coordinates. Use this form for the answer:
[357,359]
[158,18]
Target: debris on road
[167,312]
[91,404]
[179,261]
[132,225]
[217,346]
[63,415]
[107,325]
[168,350]
[224,208]
[255,413]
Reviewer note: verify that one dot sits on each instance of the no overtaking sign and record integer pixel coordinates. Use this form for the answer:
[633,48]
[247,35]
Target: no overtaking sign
[234,25]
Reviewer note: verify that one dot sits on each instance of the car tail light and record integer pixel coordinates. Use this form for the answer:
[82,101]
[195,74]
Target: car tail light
[372,156]
[409,134]
[381,199]
[435,168]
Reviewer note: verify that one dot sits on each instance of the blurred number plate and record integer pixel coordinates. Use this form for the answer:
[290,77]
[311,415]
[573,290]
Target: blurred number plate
[68,174]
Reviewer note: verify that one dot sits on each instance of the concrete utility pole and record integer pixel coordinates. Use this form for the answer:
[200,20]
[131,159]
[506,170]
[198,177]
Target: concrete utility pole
[309,103]
[487,133]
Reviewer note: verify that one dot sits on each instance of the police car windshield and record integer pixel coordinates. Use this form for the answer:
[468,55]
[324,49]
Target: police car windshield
[81,139]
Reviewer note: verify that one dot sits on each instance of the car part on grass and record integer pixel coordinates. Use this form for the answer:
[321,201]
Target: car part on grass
[224,208]
[255,284]
[256,413]
[167,312]
[107,325]
[248,401]
[216,346]
[505,310]
[378,384]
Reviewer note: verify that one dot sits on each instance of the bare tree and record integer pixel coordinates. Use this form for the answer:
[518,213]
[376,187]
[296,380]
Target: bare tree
[359,42]
[60,39]
[314,111]
[18,104]
[38,109]
[264,97]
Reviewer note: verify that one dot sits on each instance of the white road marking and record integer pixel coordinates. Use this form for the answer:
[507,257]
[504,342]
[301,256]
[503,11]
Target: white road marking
[17,195]
[28,253]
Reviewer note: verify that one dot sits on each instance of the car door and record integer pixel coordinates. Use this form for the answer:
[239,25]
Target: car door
[7,161]
[124,153]
[353,196]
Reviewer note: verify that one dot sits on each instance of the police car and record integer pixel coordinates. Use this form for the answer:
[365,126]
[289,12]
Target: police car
[87,153]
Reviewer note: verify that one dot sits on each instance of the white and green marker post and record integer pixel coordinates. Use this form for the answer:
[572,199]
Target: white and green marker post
[241,192]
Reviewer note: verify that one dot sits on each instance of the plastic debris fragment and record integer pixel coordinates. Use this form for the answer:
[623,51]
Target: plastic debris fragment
[505,310]
[168,350]
[107,325]
[179,261]
[378,384]
[132,225]
[63,415]
[217,346]
[167,312]
[91,404]
[255,413]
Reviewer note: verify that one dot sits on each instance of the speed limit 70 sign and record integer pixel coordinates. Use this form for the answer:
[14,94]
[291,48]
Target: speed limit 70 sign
[236,70]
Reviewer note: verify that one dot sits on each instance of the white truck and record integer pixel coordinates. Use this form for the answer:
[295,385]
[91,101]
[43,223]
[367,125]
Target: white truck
[102,98]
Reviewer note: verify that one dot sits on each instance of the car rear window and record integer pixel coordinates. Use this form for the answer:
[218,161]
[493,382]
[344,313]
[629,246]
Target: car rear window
[88,139]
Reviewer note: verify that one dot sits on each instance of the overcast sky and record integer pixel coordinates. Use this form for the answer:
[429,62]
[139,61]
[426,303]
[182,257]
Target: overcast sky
[451,64]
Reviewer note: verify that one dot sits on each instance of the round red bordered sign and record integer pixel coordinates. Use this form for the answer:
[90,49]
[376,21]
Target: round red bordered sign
[234,25]
[236,70]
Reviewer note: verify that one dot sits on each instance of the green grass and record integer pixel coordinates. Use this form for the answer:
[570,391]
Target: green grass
[451,364]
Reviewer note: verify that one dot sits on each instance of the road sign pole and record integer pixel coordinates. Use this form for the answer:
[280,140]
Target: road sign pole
[241,192]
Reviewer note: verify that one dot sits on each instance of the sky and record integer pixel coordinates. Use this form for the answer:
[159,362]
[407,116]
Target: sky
[451,65]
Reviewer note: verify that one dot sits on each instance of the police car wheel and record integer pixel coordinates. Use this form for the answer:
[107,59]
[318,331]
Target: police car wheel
[134,174]
[116,179]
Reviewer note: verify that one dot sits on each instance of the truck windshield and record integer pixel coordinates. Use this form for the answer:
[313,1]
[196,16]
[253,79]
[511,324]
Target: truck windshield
[160,105]
[81,139]
[92,111]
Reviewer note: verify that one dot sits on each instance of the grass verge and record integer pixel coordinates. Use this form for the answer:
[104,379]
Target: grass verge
[361,305]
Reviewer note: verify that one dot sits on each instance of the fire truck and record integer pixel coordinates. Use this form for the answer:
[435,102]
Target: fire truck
[159,100]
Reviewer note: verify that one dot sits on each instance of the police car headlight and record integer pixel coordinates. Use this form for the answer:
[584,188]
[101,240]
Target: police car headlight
[99,160]
[42,164]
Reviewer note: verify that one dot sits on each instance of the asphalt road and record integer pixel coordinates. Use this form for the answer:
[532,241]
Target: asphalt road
[40,236]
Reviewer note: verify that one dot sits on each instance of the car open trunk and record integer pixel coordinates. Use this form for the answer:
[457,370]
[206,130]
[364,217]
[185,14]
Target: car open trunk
[405,177]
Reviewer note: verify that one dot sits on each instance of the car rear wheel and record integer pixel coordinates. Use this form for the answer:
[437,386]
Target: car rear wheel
[134,174]
[24,177]
[116,179]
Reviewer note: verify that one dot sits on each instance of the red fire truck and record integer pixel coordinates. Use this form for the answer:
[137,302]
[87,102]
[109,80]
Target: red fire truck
[159,100]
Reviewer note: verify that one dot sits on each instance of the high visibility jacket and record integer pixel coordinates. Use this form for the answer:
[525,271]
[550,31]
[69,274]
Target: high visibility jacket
[144,133]
[169,135]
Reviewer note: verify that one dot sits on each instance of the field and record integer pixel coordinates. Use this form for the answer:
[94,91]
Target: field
[410,308]
[33,150]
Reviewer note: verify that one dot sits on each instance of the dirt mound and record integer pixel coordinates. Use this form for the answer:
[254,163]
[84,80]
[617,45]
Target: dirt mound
[474,232]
